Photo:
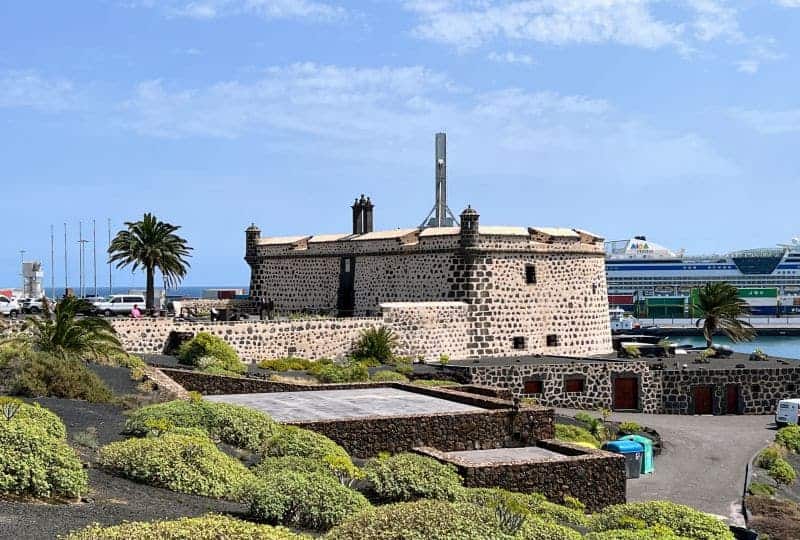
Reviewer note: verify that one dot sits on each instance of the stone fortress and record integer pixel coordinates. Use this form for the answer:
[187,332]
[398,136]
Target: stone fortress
[527,289]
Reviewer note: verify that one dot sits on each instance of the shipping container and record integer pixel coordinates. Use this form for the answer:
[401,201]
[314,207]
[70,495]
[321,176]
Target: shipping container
[620,299]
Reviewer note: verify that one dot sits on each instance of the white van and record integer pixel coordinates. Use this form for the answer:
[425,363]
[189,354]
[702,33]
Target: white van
[120,304]
[786,413]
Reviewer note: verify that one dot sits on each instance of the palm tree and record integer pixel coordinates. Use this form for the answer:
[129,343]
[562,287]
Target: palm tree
[151,244]
[719,307]
[64,335]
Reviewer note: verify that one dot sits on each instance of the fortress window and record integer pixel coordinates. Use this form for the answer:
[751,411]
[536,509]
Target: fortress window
[552,340]
[518,342]
[533,387]
[574,385]
[530,274]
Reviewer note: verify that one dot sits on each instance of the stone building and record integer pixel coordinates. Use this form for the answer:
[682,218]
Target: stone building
[528,289]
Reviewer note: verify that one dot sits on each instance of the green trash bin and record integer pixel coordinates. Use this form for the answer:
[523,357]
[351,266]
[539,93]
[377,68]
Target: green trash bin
[647,460]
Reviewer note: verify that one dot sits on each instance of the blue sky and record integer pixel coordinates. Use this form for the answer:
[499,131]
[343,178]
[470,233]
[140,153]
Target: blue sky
[678,120]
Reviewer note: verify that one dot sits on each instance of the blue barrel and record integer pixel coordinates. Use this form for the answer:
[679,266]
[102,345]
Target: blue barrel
[633,452]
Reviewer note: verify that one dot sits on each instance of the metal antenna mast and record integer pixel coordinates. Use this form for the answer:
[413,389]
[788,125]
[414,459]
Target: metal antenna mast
[94,255]
[440,215]
[52,263]
[109,262]
[82,254]
[22,270]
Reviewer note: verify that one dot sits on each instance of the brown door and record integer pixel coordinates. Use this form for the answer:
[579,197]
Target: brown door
[732,399]
[702,400]
[626,393]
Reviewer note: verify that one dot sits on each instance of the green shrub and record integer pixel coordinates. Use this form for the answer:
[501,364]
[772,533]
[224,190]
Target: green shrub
[35,462]
[433,383]
[407,477]
[574,503]
[41,375]
[657,532]
[12,409]
[759,488]
[181,463]
[550,511]
[210,527]
[770,455]
[682,520]
[782,472]
[566,432]
[306,500]
[536,528]
[421,520]
[339,467]
[631,351]
[209,351]
[386,375]
[789,437]
[238,426]
[334,373]
[629,428]
[299,442]
[286,364]
[377,343]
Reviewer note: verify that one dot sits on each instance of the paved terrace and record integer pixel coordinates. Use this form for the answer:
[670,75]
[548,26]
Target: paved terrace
[343,404]
[525,454]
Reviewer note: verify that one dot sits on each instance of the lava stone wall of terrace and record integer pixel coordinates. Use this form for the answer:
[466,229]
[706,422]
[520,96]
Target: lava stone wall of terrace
[598,382]
[595,477]
[758,389]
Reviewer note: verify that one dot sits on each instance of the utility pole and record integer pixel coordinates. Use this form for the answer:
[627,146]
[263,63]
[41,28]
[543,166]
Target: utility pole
[21,270]
[52,263]
[94,250]
[109,262]
[82,267]
[66,260]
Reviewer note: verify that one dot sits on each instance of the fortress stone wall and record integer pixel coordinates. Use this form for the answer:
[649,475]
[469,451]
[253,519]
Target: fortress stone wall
[425,329]
[527,290]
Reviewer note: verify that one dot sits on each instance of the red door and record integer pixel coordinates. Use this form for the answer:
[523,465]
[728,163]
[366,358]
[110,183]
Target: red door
[732,399]
[702,400]
[626,393]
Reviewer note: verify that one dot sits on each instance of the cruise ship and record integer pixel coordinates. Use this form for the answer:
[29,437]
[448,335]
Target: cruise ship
[638,268]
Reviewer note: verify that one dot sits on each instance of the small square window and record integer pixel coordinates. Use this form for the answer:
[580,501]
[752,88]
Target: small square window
[552,340]
[518,342]
[533,387]
[574,385]
[530,274]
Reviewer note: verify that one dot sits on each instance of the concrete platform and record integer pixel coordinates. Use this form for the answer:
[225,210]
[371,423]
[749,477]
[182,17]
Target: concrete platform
[526,454]
[343,404]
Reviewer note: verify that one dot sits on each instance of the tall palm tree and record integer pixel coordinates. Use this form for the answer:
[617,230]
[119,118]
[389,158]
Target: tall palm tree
[151,244]
[64,335]
[719,307]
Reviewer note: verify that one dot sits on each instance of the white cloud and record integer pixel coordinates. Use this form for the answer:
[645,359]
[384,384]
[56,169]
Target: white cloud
[268,9]
[789,3]
[769,122]
[29,90]
[511,57]
[352,112]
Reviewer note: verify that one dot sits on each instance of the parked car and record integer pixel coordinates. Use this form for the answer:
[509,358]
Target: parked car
[32,305]
[786,412]
[119,304]
[9,307]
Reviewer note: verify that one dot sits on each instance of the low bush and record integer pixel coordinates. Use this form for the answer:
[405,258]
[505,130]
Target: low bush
[36,463]
[182,463]
[629,428]
[759,488]
[33,413]
[550,511]
[386,375]
[36,374]
[238,426]
[789,437]
[407,477]
[569,433]
[681,520]
[339,467]
[433,383]
[306,500]
[535,528]
[770,455]
[304,443]
[286,364]
[334,373]
[421,520]
[210,527]
[650,533]
[377,343]
[207,351]
[782,472]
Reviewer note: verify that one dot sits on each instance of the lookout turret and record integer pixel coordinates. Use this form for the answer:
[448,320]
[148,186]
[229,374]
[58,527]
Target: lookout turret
[252,234]
[469,227]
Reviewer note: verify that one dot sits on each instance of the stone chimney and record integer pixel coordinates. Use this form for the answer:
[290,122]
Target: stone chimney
[362,215]
[469,227]
[368,224]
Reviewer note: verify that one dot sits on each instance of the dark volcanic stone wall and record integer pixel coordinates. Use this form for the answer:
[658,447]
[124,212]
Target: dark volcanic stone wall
[759,389]
[595,477]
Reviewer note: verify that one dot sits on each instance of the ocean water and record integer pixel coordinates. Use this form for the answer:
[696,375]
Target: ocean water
[782,346]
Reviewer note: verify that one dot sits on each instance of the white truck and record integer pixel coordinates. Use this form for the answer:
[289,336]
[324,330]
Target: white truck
[787,411]
[9,307]
[120,304]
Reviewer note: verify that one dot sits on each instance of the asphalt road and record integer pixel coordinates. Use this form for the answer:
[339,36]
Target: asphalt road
[703,461]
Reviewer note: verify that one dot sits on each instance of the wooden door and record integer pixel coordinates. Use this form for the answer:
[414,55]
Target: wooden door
[732,399]
[626,393]
[703,400]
